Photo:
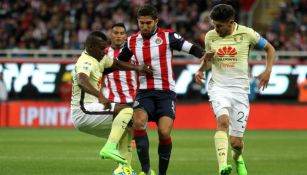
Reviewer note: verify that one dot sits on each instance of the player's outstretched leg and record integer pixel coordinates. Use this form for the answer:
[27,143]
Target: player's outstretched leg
[124,146]
[240,165]
[109,151]
[142,147]
[164,150]
[221,148]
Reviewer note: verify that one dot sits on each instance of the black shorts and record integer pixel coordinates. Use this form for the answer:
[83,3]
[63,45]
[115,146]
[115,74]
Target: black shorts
[156,103]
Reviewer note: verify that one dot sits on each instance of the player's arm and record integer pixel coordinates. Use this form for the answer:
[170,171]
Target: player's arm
[122,65]
[125,55]
[262,43]
[180,44]
[86,86]
[265,76]
[199,74]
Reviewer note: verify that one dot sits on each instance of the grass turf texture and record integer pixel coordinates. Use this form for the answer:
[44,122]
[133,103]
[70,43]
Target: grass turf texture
[70,152]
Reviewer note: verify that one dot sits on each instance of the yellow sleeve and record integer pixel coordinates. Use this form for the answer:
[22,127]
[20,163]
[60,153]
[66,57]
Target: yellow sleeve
[106,62]
[255,39]
[207,42]
[84,65]
[253,36]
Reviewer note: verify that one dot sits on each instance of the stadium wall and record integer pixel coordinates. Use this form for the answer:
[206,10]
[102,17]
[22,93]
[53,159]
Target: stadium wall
[47,75]
[35,114]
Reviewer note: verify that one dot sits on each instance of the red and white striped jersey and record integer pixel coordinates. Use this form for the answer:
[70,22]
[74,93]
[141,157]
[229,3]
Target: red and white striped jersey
[156,51]
[120,85]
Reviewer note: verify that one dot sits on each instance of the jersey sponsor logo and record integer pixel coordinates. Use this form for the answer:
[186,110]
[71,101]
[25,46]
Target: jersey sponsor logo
[158,41]
[227,65]
[227,51]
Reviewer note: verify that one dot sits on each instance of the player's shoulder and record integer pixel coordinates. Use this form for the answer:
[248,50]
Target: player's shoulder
[211,34]
[85,61]
[84,57]
[106,58]
[244,29]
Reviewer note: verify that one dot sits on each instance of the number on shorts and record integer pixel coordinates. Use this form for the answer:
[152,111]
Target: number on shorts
[242,117]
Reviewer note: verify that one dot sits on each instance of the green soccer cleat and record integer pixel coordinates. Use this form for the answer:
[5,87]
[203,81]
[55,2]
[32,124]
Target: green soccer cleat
[241,168]
[109,151]
[151,173]
[226,170]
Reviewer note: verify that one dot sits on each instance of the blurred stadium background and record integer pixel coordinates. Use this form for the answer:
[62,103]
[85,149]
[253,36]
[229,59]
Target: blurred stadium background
[40,41]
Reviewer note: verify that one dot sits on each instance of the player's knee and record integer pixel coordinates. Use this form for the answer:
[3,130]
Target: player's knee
[164,132]
[236,143]
[139,120]
[223,123]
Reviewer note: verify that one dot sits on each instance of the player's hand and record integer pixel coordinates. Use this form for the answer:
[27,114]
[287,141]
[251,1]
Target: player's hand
[103,100]
[199,77]
[145,69]
[208,56]
[264,79]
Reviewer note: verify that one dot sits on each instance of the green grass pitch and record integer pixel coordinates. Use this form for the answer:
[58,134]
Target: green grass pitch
[70,152]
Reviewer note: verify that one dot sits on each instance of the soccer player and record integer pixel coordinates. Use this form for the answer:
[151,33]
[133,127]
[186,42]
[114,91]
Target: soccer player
[229,86]
[91,111]
[120,86]
[156,97]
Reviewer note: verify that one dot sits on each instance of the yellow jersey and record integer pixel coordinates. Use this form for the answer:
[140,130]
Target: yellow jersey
[94,70]
[230,61]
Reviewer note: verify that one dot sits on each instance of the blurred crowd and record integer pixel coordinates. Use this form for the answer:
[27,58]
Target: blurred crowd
[288,31]
[63,24]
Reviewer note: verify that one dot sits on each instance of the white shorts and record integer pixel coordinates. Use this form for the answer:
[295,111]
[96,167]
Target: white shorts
[93,119]
[233,104]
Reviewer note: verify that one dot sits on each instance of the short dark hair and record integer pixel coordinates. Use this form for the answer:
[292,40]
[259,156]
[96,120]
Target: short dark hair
[119,25]
[148,10]
[222,12]
[93,36]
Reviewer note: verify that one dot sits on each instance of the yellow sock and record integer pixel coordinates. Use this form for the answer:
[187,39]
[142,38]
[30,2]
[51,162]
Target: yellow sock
[119,125]
[221,147]
[124,146]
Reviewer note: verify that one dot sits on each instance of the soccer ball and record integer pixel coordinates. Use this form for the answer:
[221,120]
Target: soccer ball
[123,170]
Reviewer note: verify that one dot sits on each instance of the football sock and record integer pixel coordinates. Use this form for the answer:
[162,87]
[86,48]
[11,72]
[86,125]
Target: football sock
[124,146]
[119,125]
[142,147]
[164,151]
[221,148]
[236,153]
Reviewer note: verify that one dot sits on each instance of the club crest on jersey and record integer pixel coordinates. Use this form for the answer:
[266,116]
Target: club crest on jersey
[158,41]
[238,38]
